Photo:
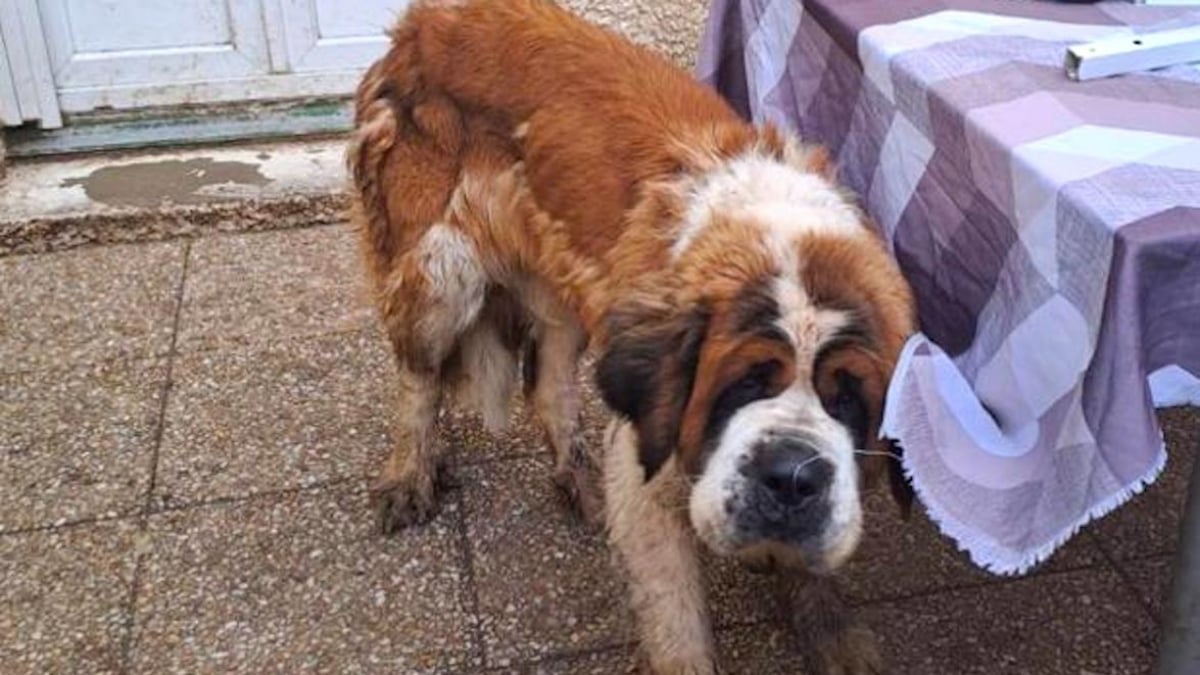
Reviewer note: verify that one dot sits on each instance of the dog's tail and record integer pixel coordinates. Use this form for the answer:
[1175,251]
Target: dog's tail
[484,371]
[375,133]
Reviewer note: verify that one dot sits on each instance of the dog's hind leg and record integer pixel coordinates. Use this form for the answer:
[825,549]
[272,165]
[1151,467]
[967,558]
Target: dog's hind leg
[430,303]
[405,491]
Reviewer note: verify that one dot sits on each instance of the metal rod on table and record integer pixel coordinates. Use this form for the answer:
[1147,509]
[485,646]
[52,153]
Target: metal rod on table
[1179,653]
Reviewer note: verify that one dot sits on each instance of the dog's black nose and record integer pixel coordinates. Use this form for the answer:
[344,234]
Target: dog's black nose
[791,471]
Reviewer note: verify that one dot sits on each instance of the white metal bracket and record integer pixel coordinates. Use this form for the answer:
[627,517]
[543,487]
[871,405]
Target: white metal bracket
[1133,52]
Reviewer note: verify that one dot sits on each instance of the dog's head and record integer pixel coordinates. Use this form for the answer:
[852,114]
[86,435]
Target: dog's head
[757,360]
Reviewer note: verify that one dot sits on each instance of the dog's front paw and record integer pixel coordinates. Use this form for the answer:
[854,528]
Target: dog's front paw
[853,651]
[579,489]
[405,501]
[699,665]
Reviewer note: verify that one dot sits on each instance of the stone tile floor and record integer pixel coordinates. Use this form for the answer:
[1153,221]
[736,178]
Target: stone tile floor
[186,428]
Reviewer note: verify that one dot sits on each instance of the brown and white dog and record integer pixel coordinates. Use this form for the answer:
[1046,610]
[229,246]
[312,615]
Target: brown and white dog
[527,183]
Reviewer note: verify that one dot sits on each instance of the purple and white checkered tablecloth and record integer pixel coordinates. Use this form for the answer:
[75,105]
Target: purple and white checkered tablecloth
[1050,230]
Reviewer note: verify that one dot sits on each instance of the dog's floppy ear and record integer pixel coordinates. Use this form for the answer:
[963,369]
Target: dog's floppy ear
[853,384]
[646,371]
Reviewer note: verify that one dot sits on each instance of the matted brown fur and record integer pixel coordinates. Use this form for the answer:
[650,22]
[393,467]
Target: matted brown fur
[519,178]
[601,122]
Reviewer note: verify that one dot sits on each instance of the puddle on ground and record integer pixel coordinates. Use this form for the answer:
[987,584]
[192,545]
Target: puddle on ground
[149,184]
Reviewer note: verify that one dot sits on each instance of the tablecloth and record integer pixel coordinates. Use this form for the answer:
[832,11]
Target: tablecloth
[1050,230]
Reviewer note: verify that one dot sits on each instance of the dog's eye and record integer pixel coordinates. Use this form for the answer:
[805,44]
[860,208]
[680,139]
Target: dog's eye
[749,387]
[847,406]
[752,386]
[755,384]
[843,404]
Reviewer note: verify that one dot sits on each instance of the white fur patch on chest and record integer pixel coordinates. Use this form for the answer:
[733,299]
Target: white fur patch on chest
[783,200]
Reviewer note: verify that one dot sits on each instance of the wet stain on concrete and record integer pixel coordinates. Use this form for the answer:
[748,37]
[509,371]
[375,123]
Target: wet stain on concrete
[172,181]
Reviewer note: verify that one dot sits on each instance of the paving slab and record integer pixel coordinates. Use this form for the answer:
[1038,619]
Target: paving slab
[296,413]
[760,649]
[1151,579]
[545,584]
[895,559]
[1053,624]
[79,306]
[255,288]
[753,649]
[77,443]
[1148,525]
[736,595]
[284,383]
[301,583]
[66,597]
[611,661]
[898,558]
[468,441]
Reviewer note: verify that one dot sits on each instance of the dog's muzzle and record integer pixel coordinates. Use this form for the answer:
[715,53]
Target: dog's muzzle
[787,485]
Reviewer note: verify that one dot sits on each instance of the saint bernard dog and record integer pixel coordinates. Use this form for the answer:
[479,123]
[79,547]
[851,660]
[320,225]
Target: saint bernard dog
[527,187]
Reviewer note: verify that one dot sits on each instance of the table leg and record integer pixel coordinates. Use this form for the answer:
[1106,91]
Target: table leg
[1179,653]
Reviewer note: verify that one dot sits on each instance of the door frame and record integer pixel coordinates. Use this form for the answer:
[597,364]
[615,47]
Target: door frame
[27,90]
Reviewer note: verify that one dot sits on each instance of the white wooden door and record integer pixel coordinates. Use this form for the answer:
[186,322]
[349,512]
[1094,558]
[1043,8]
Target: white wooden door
[328,35]
[137,53]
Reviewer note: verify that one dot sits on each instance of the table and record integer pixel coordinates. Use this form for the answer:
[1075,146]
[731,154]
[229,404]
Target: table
[1050,230]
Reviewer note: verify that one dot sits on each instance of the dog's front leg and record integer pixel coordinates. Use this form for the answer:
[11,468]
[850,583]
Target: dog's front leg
[832,642]
[648,530]
[556,400]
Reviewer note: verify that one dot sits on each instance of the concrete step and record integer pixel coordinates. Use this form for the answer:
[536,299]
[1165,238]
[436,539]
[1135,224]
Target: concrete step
[66,202]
